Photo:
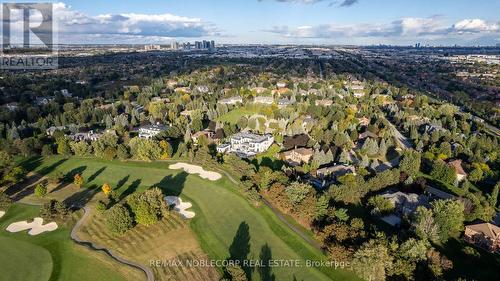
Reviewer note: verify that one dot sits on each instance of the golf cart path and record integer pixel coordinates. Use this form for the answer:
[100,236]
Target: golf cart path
[110,253]
[147,271]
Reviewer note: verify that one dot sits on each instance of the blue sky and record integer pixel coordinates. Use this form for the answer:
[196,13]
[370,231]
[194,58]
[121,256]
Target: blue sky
[282,21]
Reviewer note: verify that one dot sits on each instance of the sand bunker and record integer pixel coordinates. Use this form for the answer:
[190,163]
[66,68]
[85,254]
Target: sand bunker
[35,227]
[193,169]
[2,213]
[180,206]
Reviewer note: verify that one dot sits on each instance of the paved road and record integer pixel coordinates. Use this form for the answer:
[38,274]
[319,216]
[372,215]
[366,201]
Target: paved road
[147,271]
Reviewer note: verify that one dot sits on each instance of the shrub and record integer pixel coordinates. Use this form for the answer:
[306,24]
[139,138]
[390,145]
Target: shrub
[41,189]
[101,206]
[118,219]
[5,201]
[78,180]
[297,192]
[56,177]
[380,204]
[54,210]
[471,252]
[148,207]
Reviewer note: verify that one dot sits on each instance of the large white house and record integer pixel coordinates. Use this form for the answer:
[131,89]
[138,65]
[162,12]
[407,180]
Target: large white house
[263,100]
[149,131]
[246,144]
[231,100]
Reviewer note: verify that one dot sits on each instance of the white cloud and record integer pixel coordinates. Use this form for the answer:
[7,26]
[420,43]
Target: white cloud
[475,26]
[341,3]
[73,24]
[404,28]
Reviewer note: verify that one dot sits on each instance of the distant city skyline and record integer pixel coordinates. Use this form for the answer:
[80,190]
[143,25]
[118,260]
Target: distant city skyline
[342,22]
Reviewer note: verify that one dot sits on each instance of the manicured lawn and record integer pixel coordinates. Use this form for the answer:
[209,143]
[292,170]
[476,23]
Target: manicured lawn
[234,115]
[220,212]
[269,158]
[51,256]
[15,253]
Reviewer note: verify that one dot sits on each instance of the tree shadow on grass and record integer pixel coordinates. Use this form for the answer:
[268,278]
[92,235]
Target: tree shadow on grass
[131,189]
[265,270]
[122,182]
[31,163]
[24,188]
[173,185]
[68,178]
[46,170]
[80,199]
[240,248]
[96,174]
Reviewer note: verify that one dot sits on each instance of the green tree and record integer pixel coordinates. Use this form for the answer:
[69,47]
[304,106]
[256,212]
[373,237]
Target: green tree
[410,164]
[145,214]
[371,147]
[341,214]
[109,153]
[41,189]
[54,210]
[148,207]
[15,175]
[443,172]
[424,225]
[63,147]
[100,206]
[414,250]
[437,263]
[122,152]
[493,197]
[449,217]
[118,219]
[380,204]
[297,192]
[322,206]
[81,148]
[157,109]
[372,261]
[144,149]
[5,201]
[5,159]
[476,175]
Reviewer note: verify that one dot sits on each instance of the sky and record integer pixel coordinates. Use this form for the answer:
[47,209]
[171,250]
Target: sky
[352,22]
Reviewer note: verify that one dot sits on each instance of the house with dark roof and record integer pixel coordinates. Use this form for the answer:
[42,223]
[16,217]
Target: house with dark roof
[290,142]
[406,203]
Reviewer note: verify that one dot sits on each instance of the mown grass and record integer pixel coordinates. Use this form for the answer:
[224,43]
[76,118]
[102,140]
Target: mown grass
[168,240]
[52,256]
[220,210]
[234,115]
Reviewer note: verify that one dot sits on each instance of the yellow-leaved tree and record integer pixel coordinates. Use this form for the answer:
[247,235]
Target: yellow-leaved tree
[78,180]
[106,188]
